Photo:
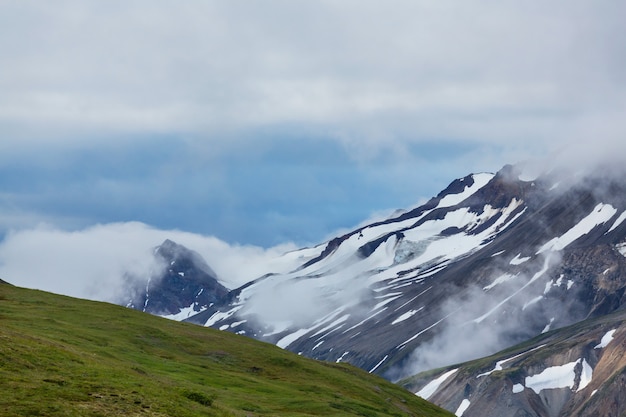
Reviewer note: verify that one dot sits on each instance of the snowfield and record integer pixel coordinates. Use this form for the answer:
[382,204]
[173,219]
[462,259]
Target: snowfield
[434,385]
[606,339]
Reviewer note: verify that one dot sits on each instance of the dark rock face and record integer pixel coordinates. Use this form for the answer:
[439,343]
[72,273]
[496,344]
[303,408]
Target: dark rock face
[184,280]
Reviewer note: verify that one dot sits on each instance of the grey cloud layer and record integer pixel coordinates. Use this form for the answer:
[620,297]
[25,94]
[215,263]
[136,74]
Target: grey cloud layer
[486,71]
[119,110]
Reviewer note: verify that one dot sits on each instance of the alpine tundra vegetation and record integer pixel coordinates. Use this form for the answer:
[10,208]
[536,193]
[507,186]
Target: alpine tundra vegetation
[62,356]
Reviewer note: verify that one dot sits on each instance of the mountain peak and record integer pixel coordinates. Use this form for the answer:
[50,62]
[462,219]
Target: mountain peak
[182,285]
[172,251]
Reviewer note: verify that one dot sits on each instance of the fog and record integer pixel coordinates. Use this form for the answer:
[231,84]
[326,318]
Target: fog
[93,262]
[479,323]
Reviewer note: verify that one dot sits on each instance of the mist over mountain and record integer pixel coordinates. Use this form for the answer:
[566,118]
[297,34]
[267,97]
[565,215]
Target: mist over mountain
[493,260]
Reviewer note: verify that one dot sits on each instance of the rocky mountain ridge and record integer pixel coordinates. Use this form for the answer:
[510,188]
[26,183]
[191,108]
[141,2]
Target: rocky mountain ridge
[492,261]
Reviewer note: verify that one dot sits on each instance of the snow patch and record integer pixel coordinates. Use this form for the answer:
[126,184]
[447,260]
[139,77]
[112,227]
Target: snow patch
[434,385]
[387,301]
[560,376]
[499,364]
[378,364]
[501,279]
[218,316]
[480,180]
[184,313]
[518,260]
[339,359]
[619,221]
[418,334]
[517,388]
[547,328]
[601,214]
[531,302]
[292,337]
[586,375]
[544,269]
[364,320]
[405,316]
[606,339]
[462,407]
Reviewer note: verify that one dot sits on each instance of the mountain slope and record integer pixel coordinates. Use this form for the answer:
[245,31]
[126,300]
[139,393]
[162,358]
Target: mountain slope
[579,370]
[493,260]
[70,357]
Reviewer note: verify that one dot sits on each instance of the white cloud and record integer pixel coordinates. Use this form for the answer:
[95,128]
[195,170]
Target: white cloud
[510,79]
[91,263]
[492,72]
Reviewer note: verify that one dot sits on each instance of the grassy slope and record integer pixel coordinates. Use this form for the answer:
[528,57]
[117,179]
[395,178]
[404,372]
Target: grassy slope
[70,357]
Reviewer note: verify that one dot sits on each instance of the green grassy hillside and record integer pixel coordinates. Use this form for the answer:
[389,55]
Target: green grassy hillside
[61,356]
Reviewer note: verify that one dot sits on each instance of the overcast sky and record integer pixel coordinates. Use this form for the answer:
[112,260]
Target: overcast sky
[265,122]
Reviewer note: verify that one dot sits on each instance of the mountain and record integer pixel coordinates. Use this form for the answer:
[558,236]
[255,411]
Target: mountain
[578,370]
[61,356]
[491,261]
[181,285]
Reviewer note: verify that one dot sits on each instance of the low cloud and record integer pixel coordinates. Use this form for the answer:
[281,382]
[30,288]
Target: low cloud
[479,323]
[92,262]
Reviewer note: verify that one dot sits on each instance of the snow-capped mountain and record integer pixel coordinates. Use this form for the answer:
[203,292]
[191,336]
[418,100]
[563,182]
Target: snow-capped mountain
[181,285]
[492,261]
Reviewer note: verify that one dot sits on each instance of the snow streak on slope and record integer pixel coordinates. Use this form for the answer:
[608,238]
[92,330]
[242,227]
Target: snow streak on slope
[480,180]
[536,276]
[606,339]
[617,222]
[602,213]
[498,366]
[462,407]
[433,386]
[561,376]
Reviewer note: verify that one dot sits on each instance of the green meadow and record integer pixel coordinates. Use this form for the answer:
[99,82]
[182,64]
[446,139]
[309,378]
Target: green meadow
[61,356]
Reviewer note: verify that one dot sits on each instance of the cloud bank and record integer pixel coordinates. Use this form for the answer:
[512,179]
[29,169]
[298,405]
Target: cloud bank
[91,263]
[364,71]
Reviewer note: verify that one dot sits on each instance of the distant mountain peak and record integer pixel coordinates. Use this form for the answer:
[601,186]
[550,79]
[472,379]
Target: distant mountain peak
[172,251]
[183,284]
